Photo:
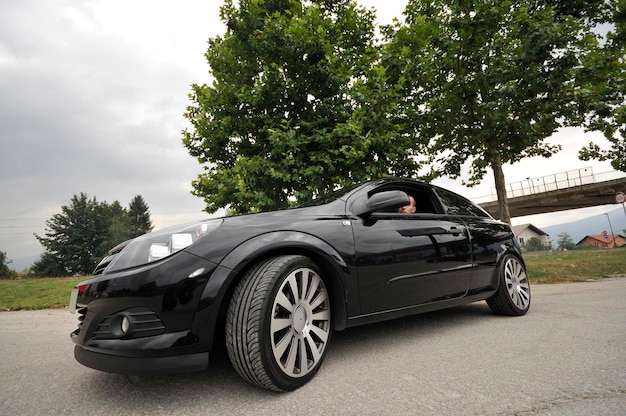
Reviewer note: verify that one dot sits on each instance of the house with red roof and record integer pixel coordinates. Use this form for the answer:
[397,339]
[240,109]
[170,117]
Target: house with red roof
[604,240]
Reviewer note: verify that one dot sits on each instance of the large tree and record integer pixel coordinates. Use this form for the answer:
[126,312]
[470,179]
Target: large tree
[605,82]
[297,106]
[487,81]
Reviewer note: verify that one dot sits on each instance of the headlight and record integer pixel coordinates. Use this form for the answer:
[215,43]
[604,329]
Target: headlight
[157,245]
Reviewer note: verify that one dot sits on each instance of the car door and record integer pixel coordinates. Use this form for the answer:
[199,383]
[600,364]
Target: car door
[405,260]
[488,238]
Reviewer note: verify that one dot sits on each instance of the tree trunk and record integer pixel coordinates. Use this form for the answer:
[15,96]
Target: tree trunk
[503,203]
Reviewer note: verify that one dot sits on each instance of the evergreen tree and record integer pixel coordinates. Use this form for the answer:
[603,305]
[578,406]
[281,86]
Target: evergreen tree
[139,214]
[119,224]
[49,265]
[5,272]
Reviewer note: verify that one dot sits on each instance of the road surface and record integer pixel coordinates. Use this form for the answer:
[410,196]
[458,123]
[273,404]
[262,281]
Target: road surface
[566,357]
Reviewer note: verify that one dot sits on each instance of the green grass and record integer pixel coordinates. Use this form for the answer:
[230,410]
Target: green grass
[575,265]
[543,267]
[36,293]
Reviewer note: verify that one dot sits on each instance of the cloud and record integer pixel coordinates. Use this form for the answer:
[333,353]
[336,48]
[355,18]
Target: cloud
[92,96]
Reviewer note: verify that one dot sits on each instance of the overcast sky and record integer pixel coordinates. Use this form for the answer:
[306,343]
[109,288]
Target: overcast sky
[92,96]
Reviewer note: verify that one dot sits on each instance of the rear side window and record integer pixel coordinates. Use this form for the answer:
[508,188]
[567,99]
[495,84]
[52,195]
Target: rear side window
[457,205]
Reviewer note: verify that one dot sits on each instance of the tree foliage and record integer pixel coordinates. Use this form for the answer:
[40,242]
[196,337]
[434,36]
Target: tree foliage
[565,242]
[305,98]
[139,214]
[605,82]
[297,107]
[488,81]
[78,237]
[50,265]
[535,244]
[5,271]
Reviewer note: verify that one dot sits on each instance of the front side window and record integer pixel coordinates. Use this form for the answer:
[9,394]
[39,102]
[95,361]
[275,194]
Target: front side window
[422,198]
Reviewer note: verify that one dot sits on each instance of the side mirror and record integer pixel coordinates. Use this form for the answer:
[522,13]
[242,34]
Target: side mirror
[381,201]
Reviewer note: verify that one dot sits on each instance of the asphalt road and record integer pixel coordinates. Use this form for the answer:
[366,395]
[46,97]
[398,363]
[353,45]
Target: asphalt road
[566,357]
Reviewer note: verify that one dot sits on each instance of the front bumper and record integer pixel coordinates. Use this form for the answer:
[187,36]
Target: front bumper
[141,365]
[146,320]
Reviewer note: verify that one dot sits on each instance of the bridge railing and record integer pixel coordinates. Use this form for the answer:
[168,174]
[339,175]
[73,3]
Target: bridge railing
[555,182]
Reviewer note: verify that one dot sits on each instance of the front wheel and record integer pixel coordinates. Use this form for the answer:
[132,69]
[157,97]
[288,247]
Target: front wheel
[279,323]
[513,295]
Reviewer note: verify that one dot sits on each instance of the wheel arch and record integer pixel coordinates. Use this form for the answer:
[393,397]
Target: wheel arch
[515,299]
[511,248]
[218,291]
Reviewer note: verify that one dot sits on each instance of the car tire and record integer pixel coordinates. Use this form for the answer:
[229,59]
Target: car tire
[513,295]
[279,323]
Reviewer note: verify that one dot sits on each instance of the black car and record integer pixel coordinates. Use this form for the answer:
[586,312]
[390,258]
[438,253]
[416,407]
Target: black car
[275,285]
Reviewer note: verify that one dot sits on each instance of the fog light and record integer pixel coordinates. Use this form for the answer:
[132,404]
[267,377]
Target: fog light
[125,324]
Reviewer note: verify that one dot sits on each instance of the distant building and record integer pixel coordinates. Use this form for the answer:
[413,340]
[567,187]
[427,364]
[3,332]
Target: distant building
[525,232]
[602,241]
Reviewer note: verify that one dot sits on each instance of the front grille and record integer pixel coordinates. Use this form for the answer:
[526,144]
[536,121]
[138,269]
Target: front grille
[82,312]
[143,323]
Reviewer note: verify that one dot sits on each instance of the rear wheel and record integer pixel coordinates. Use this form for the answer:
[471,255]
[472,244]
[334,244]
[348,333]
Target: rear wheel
[513,295]
[279,323]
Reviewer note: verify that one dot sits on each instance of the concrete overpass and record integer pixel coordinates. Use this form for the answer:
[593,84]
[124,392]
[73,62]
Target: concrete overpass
[560,192]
